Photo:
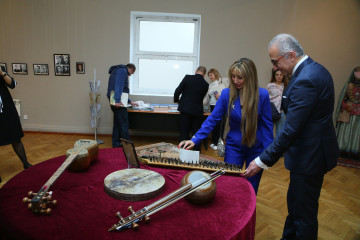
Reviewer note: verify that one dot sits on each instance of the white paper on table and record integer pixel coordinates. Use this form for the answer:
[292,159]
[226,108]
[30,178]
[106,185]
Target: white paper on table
[189,155]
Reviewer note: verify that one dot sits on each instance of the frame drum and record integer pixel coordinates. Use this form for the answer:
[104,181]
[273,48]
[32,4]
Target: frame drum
[203,194]
[134,184]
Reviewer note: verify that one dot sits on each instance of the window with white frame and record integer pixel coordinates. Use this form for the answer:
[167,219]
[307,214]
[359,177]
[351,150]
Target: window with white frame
[164,47]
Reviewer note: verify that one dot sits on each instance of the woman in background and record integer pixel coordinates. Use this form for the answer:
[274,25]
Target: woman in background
[10,126]
[213,94]
[275,88]
[249,128]
[347,116]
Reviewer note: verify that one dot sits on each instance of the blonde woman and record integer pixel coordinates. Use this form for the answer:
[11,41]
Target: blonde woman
[215,88]
[248,124]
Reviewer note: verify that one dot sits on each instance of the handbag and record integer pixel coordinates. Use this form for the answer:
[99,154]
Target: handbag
[275,115]
[221,147]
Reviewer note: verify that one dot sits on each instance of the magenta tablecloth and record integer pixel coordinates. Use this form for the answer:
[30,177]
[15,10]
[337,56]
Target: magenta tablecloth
[85,211]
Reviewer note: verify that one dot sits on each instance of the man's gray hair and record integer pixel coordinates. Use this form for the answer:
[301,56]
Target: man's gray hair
[287,43]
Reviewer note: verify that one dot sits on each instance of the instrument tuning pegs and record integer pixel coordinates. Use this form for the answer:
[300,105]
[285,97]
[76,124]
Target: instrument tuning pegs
[135,226]
[131,210]
[147,219]
[113,228]
[31,194]
[26,200]
[118,214]
[46,211]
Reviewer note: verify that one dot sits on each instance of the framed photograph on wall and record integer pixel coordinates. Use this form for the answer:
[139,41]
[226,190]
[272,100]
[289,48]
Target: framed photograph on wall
[80,67]
[41,69]
[62,64]
[20,68]
[3,67]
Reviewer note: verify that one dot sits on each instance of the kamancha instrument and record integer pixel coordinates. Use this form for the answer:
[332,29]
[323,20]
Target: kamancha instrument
[78,159]
[132,220]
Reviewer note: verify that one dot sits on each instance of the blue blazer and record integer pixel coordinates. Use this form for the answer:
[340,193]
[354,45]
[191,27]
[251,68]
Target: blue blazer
[264,133]
[308,135]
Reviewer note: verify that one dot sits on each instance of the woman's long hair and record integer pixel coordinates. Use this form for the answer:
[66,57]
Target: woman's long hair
[250,92]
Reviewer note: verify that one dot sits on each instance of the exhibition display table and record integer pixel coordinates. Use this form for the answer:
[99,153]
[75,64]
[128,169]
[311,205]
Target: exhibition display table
[85,211]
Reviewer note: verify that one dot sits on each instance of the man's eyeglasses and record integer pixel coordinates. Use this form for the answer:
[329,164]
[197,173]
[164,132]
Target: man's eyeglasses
[275,62]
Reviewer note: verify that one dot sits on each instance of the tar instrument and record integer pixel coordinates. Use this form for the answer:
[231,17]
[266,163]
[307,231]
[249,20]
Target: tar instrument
[132,220]
[78,158]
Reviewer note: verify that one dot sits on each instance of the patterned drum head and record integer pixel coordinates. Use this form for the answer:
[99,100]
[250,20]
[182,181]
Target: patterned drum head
[134,184]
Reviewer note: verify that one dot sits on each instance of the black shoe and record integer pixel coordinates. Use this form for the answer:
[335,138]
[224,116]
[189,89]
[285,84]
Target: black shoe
[27,165]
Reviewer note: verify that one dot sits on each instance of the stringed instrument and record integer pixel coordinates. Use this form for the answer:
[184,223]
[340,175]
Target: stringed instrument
[79,158]
[132,220]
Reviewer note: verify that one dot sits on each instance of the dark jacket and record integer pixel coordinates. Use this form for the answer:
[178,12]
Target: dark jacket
[118,81]
[308,135]
[192,89]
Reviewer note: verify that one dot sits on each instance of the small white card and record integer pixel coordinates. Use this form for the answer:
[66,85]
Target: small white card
[189,155]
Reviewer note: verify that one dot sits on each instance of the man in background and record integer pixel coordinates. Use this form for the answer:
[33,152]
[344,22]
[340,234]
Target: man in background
[119,84]
[192,89]
[307,138]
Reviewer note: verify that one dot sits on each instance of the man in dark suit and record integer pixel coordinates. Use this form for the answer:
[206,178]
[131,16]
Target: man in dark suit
[192,89]
[308,136]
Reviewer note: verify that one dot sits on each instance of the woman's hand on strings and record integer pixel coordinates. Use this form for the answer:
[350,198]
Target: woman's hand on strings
[186,144]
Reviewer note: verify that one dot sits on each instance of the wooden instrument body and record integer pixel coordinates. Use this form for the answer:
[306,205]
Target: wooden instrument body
[85,157]
[202,195]
[78,159]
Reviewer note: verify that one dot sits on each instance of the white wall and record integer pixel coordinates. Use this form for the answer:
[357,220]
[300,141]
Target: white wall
[97,32]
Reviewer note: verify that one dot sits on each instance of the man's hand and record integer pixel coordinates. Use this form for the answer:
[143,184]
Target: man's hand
[252,169]
[134,104]
[118,105]
[186,144]
[217,95]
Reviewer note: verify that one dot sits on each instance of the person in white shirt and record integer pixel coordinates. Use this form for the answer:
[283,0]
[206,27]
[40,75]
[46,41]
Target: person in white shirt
[213,94]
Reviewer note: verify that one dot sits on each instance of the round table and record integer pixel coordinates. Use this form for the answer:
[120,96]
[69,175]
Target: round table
[85,211]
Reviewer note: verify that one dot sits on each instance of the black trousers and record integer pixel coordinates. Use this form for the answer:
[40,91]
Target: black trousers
[120,126]
[189,123]
[218,130]
[303,205]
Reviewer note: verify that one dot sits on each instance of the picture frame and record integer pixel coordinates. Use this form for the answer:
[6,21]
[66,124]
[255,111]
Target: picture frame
[80,67]
[41,69]
[19,68]
[62,64]
[3,67]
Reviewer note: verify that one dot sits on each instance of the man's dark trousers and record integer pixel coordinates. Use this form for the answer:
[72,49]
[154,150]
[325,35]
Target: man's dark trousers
[189,123]
[120,126]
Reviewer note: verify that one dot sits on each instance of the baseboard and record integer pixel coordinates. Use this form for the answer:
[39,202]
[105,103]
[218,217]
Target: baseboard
[88,130]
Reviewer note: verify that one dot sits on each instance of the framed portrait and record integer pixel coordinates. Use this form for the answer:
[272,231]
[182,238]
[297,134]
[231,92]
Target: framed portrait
[62,64]
[3,67]
[80,67]
[41,69]
[19,68]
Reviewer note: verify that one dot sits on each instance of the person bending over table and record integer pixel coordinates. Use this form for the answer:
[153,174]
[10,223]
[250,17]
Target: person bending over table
[245,140]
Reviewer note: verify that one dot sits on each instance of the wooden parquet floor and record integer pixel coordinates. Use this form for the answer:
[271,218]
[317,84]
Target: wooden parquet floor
[339,212]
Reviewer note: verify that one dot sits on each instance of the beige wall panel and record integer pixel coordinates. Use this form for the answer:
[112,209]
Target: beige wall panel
[98,33]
